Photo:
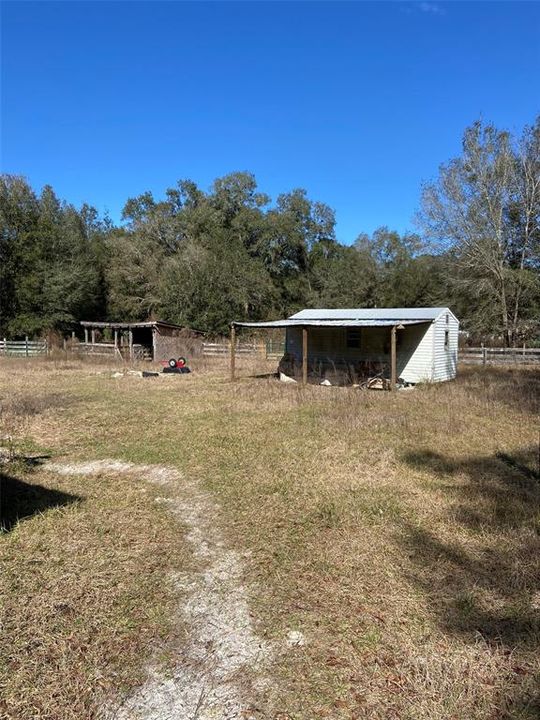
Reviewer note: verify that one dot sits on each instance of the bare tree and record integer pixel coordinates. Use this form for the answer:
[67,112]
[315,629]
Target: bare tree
[483,208]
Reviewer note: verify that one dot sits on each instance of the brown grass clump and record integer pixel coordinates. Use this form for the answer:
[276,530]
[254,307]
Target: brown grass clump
[84,590]
[398,532]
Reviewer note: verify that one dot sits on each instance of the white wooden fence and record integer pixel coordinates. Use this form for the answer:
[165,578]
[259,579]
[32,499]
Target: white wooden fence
[499,356]
[23,348]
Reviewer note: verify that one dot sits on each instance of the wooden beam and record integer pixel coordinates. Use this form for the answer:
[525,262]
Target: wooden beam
[93,336]
[86,335]
[115,338]
[233,350]
[130,331]
[393,358]
[304,355]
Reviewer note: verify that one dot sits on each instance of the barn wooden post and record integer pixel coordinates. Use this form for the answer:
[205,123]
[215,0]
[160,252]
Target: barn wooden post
[26,344]
[86,335]
[116,338]
[93,336]
[130,335]
[233,350]
[393,358]
[304,355]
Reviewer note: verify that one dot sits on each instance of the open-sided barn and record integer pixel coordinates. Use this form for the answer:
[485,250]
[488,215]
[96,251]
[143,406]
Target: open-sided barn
[408,344]
[151,340]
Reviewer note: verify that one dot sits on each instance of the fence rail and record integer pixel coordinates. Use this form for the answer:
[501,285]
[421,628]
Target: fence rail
[272,350]
[499,356]
[221,349]
[23,348]
[275,349]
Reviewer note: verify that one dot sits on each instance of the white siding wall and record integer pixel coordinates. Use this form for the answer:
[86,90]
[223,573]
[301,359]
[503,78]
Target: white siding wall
[415,353]
[445,358]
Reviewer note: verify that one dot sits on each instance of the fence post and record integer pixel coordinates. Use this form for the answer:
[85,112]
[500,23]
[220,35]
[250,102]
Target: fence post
[484,355]
[26,345]
[233,350]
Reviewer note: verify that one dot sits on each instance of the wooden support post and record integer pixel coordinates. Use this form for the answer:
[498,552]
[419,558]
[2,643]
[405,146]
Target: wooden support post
[115,338]
[130,336]
[86,335]
[233,350]
[304,355]
[393,358]
[93,336]
[26,344]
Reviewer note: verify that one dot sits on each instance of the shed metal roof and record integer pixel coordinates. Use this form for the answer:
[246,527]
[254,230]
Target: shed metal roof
[126,326]
[353,317]
[396,314]
[293,322]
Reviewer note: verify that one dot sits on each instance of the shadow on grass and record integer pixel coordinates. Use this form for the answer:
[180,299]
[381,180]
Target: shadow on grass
[20,499]
[485,579]
[265,376]
[487,586]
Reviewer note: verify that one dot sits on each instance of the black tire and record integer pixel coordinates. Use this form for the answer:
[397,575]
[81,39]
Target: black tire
[172,362]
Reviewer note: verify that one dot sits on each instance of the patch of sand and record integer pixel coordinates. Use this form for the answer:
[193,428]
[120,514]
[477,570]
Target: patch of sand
[221,664]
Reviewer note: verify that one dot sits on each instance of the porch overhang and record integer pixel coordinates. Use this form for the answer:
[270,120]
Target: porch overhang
[393,324]
[329,323]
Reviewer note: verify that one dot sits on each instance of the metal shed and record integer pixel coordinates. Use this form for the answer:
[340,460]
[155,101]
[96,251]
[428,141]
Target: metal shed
[411,344]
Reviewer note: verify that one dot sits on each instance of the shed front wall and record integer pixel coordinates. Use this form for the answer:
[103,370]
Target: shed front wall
[328,345]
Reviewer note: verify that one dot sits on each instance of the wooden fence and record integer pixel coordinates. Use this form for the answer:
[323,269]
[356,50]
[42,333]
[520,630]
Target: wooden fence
[222,349]
[23,348]
[499,356]
[274,350]
[271,350]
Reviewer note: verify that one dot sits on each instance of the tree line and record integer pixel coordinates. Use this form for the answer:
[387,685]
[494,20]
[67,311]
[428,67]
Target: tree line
[201,258]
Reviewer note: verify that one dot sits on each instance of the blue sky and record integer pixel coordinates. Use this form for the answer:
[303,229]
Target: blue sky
[356,102]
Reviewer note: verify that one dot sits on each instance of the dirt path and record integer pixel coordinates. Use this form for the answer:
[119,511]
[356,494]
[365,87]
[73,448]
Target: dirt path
[221,664]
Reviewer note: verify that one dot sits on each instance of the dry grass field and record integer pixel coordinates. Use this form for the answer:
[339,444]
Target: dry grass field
[399,533]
